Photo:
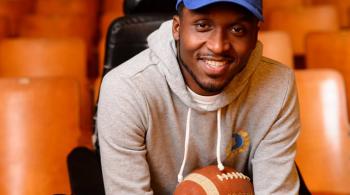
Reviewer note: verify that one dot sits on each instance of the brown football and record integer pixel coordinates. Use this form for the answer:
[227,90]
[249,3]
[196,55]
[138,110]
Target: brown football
[211,181]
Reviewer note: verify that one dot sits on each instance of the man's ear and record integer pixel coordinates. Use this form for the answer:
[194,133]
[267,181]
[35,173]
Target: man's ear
[260,23]
[176,27]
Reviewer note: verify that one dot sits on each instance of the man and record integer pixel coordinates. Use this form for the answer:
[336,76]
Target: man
[201,94]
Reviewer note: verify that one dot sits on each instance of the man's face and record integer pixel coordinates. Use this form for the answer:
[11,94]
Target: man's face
[214,44]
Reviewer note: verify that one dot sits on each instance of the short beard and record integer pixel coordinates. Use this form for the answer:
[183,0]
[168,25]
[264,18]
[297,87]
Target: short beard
[206,87]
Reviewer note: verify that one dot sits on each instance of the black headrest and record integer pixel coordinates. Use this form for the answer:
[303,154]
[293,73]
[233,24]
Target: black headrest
[149,6]
[127,36]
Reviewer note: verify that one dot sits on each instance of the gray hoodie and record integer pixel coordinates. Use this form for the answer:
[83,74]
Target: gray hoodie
[146,114]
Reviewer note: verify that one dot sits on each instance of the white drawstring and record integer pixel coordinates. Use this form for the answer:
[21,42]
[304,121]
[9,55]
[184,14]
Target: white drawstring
[187,137]
[218,141]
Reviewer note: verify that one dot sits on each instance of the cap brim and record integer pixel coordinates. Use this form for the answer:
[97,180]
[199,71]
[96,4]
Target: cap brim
[196,4]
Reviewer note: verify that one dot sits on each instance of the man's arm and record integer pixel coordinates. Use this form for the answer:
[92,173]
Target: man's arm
[122,123]
[274,170]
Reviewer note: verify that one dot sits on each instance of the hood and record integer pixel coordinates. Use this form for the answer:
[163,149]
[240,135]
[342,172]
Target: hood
[162,45]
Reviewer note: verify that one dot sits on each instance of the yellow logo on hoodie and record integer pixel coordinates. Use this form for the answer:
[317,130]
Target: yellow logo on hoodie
[239,143]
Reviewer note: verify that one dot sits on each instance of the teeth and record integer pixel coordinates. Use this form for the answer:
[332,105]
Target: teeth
[215,63]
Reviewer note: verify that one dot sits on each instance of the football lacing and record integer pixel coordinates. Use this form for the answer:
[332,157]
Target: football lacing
[232,175]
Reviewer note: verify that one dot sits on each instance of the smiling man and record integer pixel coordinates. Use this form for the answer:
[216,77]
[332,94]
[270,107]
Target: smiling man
[202,94]
[214,44]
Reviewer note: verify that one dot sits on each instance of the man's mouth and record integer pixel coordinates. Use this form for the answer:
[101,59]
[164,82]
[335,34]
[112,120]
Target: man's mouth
[216,63]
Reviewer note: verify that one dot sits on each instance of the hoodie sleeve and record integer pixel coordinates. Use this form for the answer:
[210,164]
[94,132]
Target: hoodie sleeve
[122,123]
[278,150]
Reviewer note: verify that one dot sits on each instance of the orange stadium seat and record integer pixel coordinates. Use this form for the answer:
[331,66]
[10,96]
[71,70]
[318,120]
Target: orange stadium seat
[79,7]
[30,57]
[24,6]
[4,27]
[77,17]
[330,50]
[323,148]
[300,21]
[115,6]
[277,46]
[342,6]
[13,10]
[39,122]
[58,26]
[63,26]
[270,5]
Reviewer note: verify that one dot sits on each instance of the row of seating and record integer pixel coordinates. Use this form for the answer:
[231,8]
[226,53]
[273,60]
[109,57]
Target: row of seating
[279,15]
[23,57]
[322,50]
[58,18]
[323,147]
[341,6]
[39,122]
[46,91]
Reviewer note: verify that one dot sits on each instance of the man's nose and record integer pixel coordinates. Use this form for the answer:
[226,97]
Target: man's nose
[218,42]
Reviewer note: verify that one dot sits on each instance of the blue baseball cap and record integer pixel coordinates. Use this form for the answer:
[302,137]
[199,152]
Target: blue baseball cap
[253,6]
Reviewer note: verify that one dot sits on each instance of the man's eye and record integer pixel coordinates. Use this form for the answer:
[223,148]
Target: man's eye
[239,30]
[202,26]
